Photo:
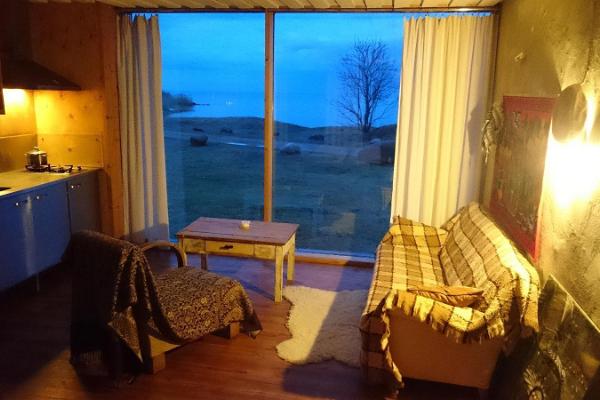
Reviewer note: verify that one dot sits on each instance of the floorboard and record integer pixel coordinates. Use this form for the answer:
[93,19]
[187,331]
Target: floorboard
[34,340]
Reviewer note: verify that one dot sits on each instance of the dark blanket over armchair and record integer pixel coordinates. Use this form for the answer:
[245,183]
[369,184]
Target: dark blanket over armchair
[115,293]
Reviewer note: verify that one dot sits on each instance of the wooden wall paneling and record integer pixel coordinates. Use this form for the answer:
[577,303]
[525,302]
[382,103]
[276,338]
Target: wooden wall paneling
[2,111]
[268,157]
[20,114]
[111,180]
[65,38]
[70,112]
[13,149]
[72,149]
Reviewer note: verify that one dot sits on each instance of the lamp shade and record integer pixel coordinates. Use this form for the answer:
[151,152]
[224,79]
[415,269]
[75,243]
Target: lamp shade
[569,114]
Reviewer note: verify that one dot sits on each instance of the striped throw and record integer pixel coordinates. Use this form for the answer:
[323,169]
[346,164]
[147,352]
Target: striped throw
[469,250]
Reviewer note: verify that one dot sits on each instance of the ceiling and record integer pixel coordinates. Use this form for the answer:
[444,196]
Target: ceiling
[288,4]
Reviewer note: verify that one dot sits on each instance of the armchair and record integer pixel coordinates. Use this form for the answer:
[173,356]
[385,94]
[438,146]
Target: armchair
[117,298]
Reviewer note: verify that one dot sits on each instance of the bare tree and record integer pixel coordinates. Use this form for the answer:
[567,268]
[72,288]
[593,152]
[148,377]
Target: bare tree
[366,75]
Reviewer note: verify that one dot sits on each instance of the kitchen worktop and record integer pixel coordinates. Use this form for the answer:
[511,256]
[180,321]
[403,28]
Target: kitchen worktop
[21,180]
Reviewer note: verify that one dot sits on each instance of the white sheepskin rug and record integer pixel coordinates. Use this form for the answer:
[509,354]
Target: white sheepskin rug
[324,325]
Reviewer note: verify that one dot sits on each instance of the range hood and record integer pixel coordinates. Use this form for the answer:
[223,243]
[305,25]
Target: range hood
[20,73]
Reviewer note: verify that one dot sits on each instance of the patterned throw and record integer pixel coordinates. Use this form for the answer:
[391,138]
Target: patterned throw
[469,250]
[115,291]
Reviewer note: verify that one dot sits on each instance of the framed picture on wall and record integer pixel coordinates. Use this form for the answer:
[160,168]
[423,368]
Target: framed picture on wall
[519,168]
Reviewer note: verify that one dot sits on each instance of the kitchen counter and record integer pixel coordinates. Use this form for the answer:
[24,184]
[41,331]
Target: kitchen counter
[21,180]
[38,215]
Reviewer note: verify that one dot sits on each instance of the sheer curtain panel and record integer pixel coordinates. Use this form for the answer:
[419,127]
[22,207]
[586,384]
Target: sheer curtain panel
[142,139]
[445,78]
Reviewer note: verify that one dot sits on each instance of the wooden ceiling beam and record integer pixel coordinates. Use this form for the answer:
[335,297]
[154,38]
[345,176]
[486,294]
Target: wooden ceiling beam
[374,4]
[169,3]
[350,3]
[266,3]
[116,3]
[294,4]
[322,4]
[217,3]
[435,3]
[244,4]
[193,4]
[407,3]
[464,3]
[143,4]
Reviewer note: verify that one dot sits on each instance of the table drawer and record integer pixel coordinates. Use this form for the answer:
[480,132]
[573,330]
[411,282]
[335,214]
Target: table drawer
[264,251]
[241,249]
[193,245]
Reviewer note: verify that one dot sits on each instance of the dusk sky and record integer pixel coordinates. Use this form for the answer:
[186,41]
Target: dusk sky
[218,58]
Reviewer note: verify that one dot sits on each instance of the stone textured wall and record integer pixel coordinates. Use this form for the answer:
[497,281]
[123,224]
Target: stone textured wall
[560,44]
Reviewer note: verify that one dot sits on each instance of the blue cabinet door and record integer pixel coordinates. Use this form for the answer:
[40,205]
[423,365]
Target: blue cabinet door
[16,245]
[51,232]
[84,210]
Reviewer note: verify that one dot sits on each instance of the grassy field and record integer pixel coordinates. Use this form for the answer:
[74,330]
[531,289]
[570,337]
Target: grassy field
[341,204]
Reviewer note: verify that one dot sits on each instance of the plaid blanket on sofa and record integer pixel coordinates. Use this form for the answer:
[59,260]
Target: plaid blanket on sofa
[468,250]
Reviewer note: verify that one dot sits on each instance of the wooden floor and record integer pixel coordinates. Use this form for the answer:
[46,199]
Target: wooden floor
[34,348]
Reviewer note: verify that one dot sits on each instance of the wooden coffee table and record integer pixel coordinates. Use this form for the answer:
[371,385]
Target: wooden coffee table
[264,240]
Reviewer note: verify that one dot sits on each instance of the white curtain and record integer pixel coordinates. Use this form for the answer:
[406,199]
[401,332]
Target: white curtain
[445,77]
[141,120]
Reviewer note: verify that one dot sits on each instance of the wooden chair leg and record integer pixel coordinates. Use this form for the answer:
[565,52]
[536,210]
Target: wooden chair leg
[156,363]
[232,330]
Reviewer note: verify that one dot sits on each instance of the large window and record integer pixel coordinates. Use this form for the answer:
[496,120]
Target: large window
[336,102]
[336,84]
[213,103]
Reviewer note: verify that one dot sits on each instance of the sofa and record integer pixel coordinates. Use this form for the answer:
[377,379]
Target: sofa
[409,330]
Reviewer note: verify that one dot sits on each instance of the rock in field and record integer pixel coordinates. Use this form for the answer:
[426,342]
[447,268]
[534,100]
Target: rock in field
[198,140]
[318,138]
[290,149]
[381,153]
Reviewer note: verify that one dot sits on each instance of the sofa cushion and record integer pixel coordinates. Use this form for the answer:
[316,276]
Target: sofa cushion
[399,267]
[477,253]
[406,232]
[474,249]
[460,296]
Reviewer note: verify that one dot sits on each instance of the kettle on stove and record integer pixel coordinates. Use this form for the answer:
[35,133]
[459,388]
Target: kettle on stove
[36,159]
